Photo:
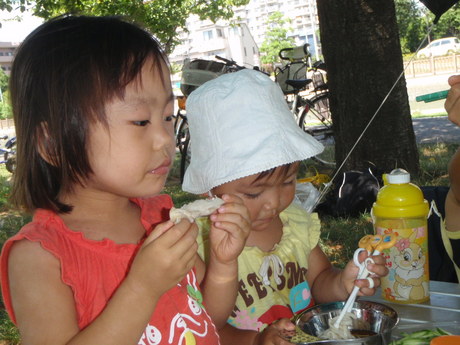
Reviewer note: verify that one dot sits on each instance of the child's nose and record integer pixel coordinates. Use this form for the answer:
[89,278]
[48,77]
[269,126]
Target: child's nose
[273,200]
[163,136]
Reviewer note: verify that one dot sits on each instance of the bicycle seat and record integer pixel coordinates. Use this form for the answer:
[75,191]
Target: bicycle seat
[298,84]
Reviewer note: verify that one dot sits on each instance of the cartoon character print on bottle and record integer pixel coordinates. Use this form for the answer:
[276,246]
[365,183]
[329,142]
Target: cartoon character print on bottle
[407,261]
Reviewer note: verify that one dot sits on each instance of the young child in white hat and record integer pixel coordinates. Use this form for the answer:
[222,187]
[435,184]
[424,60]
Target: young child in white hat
[245,142]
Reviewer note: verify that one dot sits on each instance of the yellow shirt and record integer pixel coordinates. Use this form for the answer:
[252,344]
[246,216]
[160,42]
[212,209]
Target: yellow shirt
[447,236]
[272,284]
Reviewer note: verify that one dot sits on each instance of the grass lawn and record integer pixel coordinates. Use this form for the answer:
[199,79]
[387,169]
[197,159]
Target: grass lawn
[339,236]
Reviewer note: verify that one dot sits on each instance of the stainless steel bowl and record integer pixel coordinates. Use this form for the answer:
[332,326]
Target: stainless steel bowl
[380,318]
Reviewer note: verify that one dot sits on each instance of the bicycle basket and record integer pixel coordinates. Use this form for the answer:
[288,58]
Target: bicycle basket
[197,72]
[294,70]
[295,53]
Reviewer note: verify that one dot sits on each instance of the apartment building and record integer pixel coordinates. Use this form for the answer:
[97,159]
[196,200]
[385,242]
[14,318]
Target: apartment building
[7,50]
[240,38]
[206,39]
[301,13]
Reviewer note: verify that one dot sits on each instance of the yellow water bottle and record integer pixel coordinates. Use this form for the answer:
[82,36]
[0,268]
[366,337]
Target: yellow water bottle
[401,209]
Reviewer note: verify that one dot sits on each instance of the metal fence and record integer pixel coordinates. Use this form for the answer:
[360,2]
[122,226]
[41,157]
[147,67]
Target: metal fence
[433,66]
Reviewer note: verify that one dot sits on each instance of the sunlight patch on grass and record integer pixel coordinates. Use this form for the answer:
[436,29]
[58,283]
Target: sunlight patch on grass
[340,236]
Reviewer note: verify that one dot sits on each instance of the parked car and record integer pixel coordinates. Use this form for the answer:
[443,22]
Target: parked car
[442,46]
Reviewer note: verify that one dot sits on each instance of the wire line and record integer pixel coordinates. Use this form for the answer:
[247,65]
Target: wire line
[327,185]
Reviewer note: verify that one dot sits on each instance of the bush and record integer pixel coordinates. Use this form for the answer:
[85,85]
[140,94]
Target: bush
[5,107]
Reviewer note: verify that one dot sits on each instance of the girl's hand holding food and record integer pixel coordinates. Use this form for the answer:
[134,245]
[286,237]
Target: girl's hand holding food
[230,229]
[165,257]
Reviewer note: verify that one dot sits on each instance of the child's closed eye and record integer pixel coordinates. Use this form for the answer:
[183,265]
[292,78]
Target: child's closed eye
[252,196]
[141,123]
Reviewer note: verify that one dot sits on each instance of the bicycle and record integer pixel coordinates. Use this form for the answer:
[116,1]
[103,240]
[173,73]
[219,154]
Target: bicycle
[9,153]
[293,80]
[180,118]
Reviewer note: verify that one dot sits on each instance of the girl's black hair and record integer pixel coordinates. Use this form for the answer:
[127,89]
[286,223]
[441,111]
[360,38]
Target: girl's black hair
[62,76]
[284,171]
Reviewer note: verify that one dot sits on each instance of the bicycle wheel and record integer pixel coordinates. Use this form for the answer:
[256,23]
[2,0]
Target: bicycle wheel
[182,134]
[185,158]
[318,108]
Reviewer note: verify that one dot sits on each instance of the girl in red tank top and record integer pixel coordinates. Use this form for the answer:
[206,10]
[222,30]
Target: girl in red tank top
[101,263]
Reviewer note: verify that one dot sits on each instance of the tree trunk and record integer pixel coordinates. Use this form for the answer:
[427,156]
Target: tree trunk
[361,48]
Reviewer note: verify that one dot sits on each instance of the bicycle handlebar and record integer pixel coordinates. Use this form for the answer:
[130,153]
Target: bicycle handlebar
[232,63]
[229,62]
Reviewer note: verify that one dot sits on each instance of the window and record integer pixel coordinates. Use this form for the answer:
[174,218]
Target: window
[208,35]
[219,33]
[235,31]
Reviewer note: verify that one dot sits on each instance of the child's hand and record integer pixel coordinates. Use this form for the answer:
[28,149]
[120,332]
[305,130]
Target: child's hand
[230,229]
[275,333]
[452,104]
[165,257]
[377,269]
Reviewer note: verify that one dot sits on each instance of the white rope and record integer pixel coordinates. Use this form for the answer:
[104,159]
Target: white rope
[327,185]
[433,208]
[277,267]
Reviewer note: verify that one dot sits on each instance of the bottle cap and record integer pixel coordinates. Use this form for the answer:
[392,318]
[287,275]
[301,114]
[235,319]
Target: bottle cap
[398,176]
[399,198]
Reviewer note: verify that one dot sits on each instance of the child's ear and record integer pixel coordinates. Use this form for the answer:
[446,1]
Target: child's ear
[44,144]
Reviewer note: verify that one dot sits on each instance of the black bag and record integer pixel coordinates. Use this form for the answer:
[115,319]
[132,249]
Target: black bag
[352,195]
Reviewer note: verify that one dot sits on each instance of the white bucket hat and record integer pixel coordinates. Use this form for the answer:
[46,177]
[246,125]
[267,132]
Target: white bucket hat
[240,125]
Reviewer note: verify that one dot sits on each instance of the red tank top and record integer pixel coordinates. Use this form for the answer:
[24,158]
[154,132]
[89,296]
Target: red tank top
[95,269]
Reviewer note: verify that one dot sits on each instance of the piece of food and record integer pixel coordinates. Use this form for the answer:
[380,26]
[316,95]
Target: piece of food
[446,340]
[422,337]
[195,209]
[341,332]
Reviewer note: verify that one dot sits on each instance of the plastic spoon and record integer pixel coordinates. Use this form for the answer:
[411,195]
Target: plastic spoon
[371,243]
